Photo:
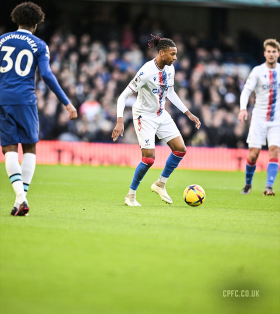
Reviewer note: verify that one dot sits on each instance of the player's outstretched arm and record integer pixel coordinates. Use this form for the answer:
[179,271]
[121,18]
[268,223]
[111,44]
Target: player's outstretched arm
[118,130]
[193,118]
[51,81]
[72,111]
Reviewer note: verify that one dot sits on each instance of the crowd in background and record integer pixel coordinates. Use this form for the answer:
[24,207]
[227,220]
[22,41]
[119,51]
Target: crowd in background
[209,78]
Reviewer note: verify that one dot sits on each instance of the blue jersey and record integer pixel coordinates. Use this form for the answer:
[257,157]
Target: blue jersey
[20,54]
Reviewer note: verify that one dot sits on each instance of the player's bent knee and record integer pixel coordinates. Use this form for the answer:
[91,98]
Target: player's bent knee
[274,149]
[253,159]
[179,154]
[182,149]
[253,154]
[148,161]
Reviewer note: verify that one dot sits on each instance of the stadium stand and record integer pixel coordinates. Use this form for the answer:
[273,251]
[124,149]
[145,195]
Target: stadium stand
[209,77]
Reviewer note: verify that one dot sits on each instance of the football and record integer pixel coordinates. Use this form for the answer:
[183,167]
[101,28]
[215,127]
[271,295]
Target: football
[194,195]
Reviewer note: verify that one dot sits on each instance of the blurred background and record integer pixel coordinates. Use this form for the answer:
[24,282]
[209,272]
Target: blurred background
[97,47]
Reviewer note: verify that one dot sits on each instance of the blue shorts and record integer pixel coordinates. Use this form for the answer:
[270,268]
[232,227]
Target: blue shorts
[19,124]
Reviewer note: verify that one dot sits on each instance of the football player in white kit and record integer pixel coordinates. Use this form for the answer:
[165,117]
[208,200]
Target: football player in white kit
[154,82]
[265,123]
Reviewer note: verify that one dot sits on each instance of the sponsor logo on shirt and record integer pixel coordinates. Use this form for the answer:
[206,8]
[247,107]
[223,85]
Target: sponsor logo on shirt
[271,86]
[159,90]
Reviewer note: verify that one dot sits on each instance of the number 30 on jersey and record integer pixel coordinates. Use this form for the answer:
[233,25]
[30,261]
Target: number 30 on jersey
[10,62]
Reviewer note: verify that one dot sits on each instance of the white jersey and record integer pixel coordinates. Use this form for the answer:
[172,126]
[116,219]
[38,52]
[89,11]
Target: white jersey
[266,84]
[152,84]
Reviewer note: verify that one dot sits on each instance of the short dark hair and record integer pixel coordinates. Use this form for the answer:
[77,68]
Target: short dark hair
[27,14]
[160,43]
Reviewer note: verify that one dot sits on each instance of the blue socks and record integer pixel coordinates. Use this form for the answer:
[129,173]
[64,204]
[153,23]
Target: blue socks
[172,163]
[140,172]
[272,170]
[250,170]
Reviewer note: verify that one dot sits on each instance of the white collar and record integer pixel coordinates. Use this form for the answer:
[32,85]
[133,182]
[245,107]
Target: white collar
[24,30]
[158,66]
[271,69]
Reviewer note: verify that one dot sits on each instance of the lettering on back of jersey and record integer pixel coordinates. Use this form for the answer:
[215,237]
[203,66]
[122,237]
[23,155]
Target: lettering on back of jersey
[30,41]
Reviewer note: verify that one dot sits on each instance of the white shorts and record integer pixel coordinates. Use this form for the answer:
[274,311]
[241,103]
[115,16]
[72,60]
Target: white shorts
[260,130]
[147,125]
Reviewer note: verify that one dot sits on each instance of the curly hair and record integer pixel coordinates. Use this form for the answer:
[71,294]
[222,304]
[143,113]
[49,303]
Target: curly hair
[27,14]
[160,43]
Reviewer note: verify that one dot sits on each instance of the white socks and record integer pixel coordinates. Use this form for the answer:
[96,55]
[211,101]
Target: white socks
[163,179]
[14,173]
[27,171]
[132,192]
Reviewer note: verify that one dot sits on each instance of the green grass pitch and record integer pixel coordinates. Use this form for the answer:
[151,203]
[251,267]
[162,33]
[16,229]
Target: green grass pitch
[82,250]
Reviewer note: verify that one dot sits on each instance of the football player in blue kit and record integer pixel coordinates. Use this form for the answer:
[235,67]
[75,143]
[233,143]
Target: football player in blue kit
[20,54]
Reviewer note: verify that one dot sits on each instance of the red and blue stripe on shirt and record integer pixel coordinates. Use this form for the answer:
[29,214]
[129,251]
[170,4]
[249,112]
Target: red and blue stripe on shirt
[163,85]
[272,96]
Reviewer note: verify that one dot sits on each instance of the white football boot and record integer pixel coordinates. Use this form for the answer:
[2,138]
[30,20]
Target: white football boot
[159,188]
[130,200]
